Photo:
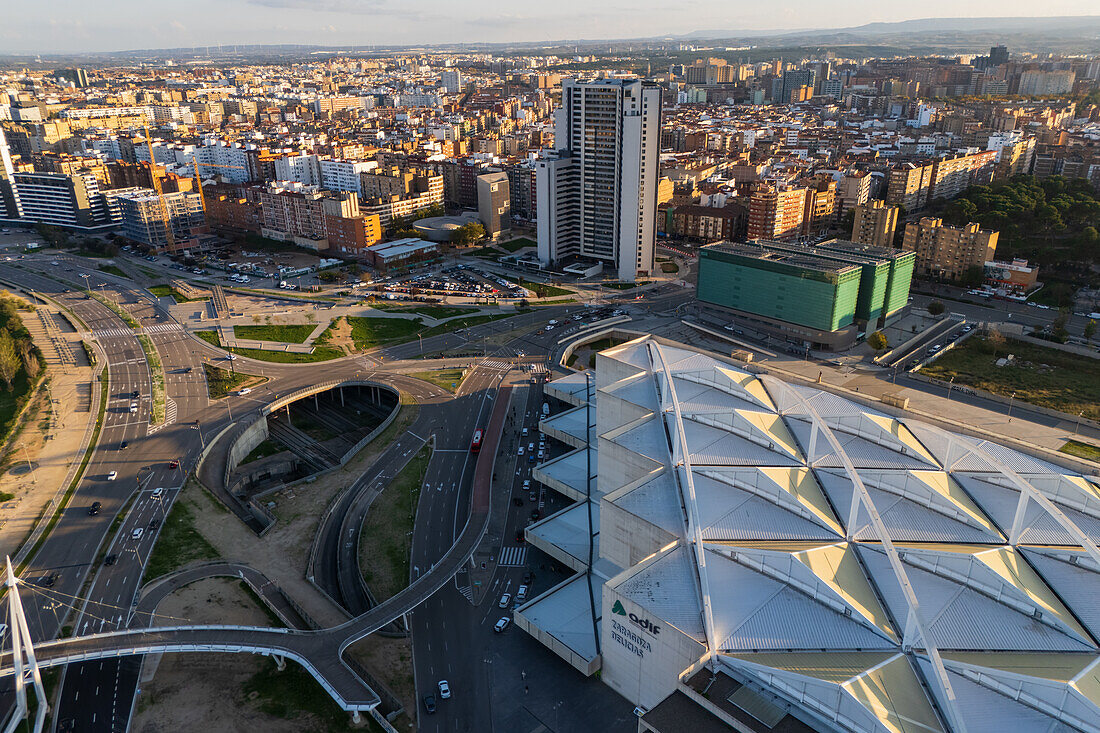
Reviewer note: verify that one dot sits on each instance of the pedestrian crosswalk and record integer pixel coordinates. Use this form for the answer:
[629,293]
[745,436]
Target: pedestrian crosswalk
[496,364]
[468,592]
[513,557]
[112,333]
[164,328]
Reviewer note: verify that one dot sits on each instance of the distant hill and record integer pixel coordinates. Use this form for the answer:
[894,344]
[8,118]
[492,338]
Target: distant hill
[1079,25]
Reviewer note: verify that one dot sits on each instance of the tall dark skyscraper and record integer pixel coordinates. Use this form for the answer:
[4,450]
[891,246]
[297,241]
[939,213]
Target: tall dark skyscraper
[998,55]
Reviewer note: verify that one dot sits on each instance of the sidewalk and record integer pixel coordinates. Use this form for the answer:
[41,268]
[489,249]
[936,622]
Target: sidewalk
[67,410]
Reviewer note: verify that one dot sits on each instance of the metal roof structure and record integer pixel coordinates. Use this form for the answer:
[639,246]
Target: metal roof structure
[879,573]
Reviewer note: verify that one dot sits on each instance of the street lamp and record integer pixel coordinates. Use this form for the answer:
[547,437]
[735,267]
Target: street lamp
[1010,406]
[1079,415]
[198,427]
[950,384]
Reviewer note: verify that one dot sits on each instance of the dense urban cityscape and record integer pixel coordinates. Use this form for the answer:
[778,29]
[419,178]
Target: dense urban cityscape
[722,381]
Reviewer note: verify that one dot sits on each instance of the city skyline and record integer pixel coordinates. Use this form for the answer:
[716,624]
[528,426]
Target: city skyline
[120,25]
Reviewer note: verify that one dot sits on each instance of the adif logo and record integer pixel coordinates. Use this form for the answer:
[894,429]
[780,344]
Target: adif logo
[642,623]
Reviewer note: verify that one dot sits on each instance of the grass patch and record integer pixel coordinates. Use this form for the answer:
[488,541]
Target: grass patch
[1081,450]
[294,694]
[267,448]
[384,541]
[220,382]
[487,253]
[167,291]
[283,334]
[629,286]
[1039,376]
[541,290]
[156,373]
[178,543]
[444,378]
[517,244]
[368,332]
[670,267]
[433,311]
[457,323]
[6,496]
[320,353]
[113,270]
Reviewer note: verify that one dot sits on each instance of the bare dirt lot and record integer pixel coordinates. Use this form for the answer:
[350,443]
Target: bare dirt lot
[168,701]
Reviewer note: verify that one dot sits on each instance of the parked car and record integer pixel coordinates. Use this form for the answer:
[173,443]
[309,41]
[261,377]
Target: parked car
[502,624]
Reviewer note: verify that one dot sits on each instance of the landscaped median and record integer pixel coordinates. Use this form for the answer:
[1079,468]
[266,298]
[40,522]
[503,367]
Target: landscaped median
[115,309]
[320,353]
[386,536]
[156,378]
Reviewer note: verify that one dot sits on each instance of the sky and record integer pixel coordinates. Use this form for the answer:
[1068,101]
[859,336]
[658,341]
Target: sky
[66,26]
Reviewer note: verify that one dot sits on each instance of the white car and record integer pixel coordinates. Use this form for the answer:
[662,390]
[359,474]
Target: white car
[444,690]
[519,452]
[243,392]
[231,357]
[502,624]
[158,492]
[137,533]
[112,475]
[505,600]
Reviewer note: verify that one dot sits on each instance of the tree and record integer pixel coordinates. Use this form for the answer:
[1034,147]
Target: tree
[1058,328]
[973,277]
[9,359]
[877,341]
[996,339]
[467,234]
[936,308]
[1090,329]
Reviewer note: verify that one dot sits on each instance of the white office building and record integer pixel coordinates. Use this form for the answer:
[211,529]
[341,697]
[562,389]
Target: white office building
[597,194]
[452,81]
[767,557]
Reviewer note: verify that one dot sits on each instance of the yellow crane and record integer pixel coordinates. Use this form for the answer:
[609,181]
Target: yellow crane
[198,180]
[169,235]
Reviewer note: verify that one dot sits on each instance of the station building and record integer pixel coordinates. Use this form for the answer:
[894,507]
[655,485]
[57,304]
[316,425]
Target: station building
[819,296]
[762,556]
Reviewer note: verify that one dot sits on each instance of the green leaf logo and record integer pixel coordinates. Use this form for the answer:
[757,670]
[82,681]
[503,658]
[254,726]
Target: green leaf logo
[618,608]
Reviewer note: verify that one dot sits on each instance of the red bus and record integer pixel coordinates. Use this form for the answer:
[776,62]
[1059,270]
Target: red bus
[475,444]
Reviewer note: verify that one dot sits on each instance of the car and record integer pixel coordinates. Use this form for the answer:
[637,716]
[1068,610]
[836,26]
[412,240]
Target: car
[531,446]
[935,348]
[174,463]
[94,508]
[519,451]
[444,690]
[231,357]
[429,703]
[502,624]
[110,559]
[123,444]
[136,393]
[526,484]
[133,407]
[244,391]
[112,475]
[524,432]
[505,599]
[137,533]
[528,577]
[154,523]
[967,329]
[521,593]
[520,538]
[158,492]
[533,496]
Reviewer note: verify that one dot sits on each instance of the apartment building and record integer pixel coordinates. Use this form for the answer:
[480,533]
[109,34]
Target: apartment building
[776,213]
[70,201]
[709,223]
[300,213]
[344,175]
[875,223]
[494,203]
[144,219]
[597,194]
[946,252]
[908,185]
[820,212]
[393,193]
[852,190]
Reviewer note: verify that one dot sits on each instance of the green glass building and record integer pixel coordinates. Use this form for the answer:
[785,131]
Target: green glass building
[823,295]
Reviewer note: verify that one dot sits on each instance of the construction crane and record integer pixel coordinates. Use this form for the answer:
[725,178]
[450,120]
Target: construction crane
[198,180]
